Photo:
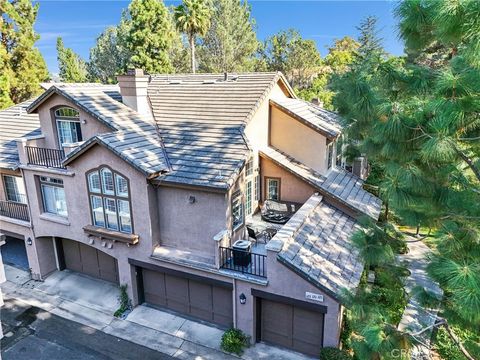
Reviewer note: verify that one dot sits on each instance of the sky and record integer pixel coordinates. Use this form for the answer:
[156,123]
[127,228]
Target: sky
[80,22]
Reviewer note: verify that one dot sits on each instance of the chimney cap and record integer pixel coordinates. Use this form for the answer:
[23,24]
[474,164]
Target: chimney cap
[135,72]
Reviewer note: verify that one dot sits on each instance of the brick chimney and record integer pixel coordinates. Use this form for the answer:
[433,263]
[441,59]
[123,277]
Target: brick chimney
[133,88]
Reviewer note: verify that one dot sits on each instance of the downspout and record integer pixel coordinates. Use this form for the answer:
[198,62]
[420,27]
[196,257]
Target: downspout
[234,303]
[30,216]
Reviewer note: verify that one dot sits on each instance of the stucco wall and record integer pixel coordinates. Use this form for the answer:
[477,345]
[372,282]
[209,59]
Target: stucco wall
[47,121]
[298,140]
[291,187]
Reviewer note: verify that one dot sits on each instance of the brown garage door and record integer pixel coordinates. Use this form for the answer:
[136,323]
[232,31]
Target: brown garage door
[202,300]
[88,260]
[291,326]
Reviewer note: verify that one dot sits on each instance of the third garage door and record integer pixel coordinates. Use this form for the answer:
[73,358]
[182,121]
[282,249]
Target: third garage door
[199,299]
[291,326]
[88,260]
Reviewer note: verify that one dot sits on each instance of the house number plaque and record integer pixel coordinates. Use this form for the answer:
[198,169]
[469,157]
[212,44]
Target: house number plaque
[313,296]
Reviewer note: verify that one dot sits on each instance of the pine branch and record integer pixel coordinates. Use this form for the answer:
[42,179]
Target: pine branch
[469,162]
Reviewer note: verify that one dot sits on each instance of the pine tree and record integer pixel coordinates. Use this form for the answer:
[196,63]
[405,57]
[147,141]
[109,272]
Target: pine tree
[72,67]
[369,39]
[149,36]
[231,43]
[23,67]
[193,18]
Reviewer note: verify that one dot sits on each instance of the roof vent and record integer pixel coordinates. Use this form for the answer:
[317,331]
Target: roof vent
[318,102]
[225,76]
[175,82]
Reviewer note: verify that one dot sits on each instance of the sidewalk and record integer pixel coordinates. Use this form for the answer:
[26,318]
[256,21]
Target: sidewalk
[416,317]
[158,330]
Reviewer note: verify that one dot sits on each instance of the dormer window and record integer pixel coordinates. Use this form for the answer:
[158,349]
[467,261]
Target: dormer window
[68,125]
[110,200]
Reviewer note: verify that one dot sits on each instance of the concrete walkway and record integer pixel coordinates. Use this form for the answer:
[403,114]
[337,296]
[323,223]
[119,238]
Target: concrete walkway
[416,317]
[92,302]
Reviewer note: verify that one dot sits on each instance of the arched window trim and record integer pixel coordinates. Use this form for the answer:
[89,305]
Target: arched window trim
[106,200]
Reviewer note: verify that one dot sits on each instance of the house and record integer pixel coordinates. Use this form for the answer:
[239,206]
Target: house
[150,183]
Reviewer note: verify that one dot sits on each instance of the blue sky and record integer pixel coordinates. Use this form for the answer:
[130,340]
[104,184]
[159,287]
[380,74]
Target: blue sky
[80,22]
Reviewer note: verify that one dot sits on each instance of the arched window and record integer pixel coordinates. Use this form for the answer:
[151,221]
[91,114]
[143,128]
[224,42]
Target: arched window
[68,125]
[109,195]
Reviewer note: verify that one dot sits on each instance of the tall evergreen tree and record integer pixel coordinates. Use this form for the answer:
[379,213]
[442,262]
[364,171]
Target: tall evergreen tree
[369,39]
[72,67]
[193,18]
[231,43]
[23,67]
[149,36]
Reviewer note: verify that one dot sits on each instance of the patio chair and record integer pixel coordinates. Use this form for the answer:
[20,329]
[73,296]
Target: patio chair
[252,234]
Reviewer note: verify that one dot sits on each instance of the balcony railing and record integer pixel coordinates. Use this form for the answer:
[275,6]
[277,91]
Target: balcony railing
[14,210]
[243,261]
[51,158]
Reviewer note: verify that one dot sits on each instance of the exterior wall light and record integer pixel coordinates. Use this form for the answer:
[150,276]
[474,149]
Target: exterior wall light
[191,199]
[243,299]
[29,241]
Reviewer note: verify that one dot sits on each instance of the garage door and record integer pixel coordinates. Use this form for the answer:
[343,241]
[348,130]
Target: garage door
[88,260]
[202,300]
[291,326]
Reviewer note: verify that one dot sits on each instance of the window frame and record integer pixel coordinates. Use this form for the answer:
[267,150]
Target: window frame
[114,197]
[267,188]
[17,194]
[248,197]
[67,119]
[237,197]
[47,183]
[330,150]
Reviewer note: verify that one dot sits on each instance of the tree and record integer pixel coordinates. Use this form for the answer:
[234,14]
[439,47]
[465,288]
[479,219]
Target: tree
[108,57]
[420,121]
[71,66]
[193,18]
[149,36]
[230,43]
[23,67]
[369,39]
[296,57]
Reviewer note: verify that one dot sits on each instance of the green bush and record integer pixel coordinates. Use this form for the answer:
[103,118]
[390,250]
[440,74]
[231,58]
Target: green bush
[330,353]
[234,341]
[124,301]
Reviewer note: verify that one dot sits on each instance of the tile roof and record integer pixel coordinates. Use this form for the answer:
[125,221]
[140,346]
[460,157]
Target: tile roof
[317,246]
[203,155]
[324,121]
[208,99]
[15,123]
[338,184]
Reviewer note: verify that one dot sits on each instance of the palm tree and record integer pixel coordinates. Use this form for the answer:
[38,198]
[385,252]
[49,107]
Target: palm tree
[193,18]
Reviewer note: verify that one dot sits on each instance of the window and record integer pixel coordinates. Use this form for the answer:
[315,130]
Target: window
[53,196]
[237,211]
[273,189]
[248,196]
[257,187]
[109,200]
[68,125]
[330,155]
[15,189]
[249,168]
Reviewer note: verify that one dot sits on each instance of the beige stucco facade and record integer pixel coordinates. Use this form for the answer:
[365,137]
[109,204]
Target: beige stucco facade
[178,227]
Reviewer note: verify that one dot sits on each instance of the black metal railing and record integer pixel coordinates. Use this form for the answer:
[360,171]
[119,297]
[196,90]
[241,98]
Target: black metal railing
[51,158]
[243,261]
[14,210]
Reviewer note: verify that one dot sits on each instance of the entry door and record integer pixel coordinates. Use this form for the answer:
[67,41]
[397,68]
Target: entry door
[90,261]
[291,327]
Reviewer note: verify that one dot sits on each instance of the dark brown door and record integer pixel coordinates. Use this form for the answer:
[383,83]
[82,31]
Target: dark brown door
[88,260]
[190,297]
[292,327]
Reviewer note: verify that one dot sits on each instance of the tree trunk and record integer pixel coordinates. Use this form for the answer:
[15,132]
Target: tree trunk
[417,233]
[386,211]
[192,52]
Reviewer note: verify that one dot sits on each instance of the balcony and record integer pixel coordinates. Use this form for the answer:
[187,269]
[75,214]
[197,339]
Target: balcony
[14,210]
[245,262]
[50,158]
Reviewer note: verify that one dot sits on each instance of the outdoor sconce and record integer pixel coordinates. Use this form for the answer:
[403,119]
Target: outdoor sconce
[191,199]
[243,299]
[84,121]
[29,241]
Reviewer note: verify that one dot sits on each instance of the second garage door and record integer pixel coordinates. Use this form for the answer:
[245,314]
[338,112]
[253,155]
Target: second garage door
[291,326]
[88,260]
[199,299]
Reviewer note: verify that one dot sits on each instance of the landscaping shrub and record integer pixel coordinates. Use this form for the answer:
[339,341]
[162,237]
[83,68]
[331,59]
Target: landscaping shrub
[234,341]
[124,301]
[330,353]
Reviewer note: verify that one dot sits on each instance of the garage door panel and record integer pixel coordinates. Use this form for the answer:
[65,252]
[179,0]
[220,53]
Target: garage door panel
[177,293]
[154,287]
[277,323]
[89,259]
[222,306]
[108,267]
[307,326]
[71,251]
[201,300]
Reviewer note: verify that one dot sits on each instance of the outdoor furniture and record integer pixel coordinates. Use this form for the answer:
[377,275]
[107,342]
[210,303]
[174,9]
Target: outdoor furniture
[252,234]
[278,212]
[241,253]
[269,233]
